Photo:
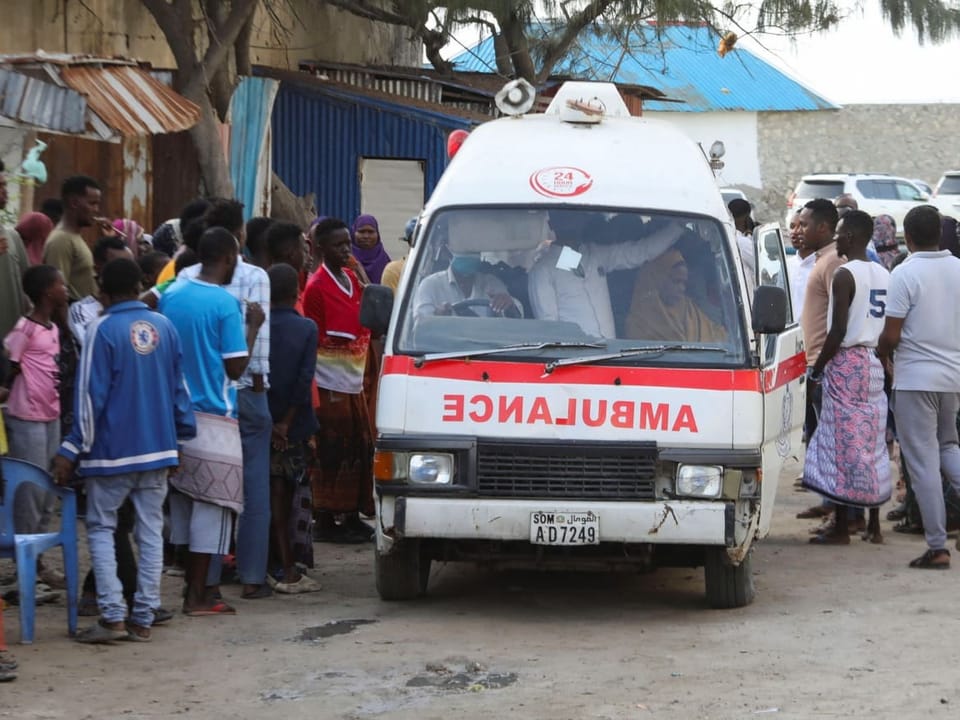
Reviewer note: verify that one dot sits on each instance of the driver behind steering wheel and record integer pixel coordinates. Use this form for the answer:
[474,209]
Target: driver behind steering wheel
[463,289]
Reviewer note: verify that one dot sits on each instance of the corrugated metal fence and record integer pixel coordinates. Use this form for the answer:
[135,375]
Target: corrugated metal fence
[320,135]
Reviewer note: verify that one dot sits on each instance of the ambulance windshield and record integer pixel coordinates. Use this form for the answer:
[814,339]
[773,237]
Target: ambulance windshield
[553,279]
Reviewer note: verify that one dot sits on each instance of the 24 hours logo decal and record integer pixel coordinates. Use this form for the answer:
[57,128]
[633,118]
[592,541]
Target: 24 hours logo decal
[561,181]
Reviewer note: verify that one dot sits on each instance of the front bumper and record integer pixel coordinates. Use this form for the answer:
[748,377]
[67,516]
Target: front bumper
[669,522]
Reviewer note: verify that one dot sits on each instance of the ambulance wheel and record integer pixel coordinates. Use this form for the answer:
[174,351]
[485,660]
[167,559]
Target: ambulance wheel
[402,573]
[728,586]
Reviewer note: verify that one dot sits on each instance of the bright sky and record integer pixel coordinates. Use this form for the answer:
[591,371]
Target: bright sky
[864,62]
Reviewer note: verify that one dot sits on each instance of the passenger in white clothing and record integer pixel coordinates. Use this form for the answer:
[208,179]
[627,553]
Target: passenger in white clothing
[580,294]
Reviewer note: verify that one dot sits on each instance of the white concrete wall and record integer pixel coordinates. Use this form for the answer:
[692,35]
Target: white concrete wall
[737,131]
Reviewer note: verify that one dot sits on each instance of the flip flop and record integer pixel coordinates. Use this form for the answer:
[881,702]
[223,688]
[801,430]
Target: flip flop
[262,591]
[100,634]
[218,608]
[162,615]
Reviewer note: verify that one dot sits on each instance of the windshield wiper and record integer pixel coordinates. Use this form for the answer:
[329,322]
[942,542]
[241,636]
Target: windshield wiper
[458,354]
[631,352]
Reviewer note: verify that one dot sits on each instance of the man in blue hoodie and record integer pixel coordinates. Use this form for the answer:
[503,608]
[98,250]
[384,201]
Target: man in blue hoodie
[132,412]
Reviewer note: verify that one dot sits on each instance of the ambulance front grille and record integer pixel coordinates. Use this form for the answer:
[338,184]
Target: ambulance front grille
[567,472]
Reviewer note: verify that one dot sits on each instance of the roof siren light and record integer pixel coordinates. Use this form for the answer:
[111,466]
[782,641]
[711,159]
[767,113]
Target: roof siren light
[516,97]
[455,141]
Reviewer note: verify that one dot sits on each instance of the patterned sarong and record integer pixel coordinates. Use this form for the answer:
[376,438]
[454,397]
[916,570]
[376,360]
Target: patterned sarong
[342,478]
[847,457]
[212,469]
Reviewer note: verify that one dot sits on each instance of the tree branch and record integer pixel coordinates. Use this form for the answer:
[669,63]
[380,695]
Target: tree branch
[556,47]
[226,36]
[369,11]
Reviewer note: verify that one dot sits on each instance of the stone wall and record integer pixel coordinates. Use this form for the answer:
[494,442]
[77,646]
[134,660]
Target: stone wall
[913,141]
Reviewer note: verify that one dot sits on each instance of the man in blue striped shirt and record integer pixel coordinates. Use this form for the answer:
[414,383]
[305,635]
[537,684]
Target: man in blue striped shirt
[132,411]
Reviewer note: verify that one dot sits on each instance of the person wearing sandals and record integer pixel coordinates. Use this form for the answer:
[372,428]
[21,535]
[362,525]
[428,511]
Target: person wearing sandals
[217,343]
[922,335]
[293,354]
[847,460]
[133,411]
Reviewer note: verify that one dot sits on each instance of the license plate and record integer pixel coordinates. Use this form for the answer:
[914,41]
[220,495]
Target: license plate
[565,528]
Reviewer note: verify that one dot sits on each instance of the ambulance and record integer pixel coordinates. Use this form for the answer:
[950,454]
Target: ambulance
[578,374]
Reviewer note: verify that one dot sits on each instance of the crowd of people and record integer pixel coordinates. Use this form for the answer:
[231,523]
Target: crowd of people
[881,368]
[208,388]
[211,390]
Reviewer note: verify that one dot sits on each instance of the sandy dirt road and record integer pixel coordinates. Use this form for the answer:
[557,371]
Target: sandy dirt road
[834,632]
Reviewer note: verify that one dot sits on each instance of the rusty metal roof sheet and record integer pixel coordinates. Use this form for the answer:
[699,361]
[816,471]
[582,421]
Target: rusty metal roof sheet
[130,101]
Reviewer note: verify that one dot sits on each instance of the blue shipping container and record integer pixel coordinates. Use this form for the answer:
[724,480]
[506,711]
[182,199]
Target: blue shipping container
[320,135]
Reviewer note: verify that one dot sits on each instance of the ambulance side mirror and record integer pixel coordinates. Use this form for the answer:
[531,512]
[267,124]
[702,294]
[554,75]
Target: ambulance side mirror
[376,306]
[769,310]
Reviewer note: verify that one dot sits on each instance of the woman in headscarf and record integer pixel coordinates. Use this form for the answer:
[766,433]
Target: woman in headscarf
[132,234]
[367,247]
[33,229]
[884,240]
[661,309]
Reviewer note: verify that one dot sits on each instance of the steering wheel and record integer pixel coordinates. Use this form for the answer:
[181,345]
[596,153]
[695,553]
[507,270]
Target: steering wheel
[464,308]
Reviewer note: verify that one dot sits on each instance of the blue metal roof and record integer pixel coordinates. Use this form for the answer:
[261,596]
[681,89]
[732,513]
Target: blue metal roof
[679,60]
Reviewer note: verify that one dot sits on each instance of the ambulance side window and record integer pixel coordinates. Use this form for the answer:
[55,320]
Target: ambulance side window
[771,261]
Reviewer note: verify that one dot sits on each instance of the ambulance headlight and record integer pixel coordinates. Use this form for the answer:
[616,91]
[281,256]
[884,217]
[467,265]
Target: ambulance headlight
[703,481]
[431,468]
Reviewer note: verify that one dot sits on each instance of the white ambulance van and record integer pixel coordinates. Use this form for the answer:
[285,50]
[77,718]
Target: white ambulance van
[575,375]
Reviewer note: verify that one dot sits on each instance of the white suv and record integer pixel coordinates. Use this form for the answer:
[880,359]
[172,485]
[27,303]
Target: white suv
[946,196]
[876,194]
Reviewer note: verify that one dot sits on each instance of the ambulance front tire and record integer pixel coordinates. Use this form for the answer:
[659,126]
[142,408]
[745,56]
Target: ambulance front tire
[728,586]
[402,573]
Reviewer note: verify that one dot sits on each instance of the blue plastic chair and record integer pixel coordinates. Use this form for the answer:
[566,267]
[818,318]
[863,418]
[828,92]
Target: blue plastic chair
[26,548]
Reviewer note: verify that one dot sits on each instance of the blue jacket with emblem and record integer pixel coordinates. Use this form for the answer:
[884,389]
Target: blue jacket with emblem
[132,404]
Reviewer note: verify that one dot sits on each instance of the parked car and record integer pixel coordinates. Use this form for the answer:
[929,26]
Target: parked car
[946,196]
[876,193]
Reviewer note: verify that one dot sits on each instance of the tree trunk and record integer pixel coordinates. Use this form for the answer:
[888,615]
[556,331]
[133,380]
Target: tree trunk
[433,43]
[224,80]
[210,153]
[515,37]
[502,53]
[242,49]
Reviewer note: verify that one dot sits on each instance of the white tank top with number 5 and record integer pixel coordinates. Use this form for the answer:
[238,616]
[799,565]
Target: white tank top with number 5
[869,306]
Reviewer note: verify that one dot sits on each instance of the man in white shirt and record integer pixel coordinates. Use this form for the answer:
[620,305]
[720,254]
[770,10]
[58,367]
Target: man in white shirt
[581,294]
[742,214]
[799,265]
[923,327]
[462,281]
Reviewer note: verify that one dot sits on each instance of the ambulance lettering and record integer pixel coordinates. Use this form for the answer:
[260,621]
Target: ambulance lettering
[538,410]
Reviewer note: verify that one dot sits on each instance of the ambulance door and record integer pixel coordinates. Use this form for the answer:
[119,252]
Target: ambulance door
[783,375]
